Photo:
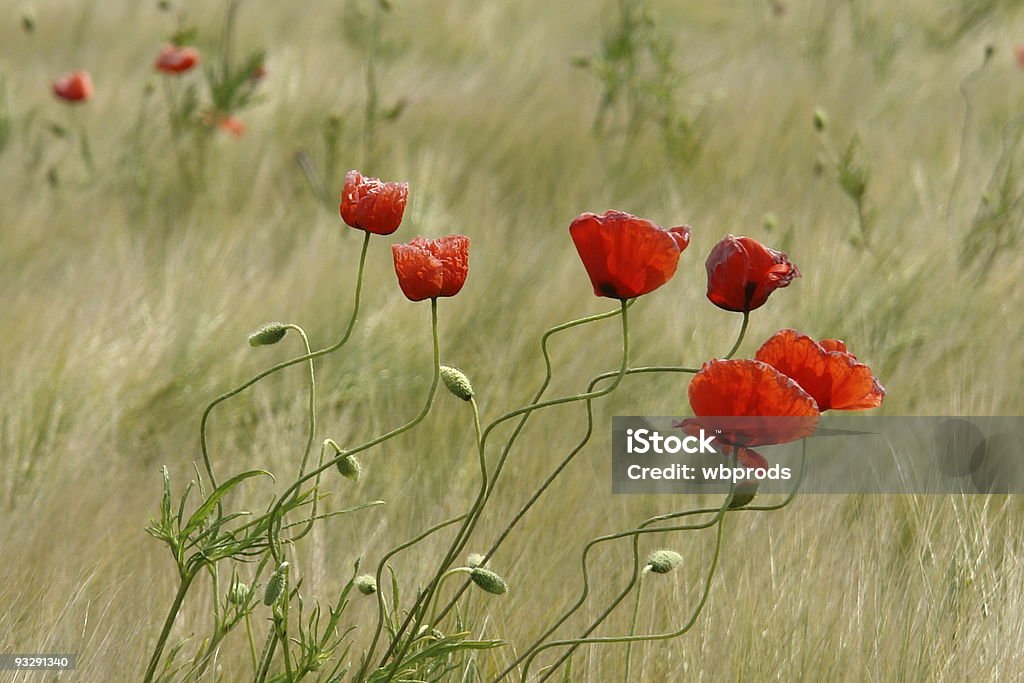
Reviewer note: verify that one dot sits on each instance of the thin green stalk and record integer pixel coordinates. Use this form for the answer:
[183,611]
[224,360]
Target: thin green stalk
[172,614]
[739,337]
[418,611]
[272,514]
[288,363]
[632,623]
[636,553]
[646,638]
[252,641]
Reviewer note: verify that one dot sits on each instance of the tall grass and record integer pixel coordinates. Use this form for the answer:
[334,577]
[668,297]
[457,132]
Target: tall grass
[128,295]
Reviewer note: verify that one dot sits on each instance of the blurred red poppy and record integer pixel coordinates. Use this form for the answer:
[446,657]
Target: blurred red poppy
[428,269]
[372,205]
[626,256]
[825,370]
[176,59]
[73,87]
[233,125]
[749,403]
[742,272]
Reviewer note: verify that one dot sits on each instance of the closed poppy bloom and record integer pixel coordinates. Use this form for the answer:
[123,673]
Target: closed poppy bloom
[626,256]
[749,403]
[742,272]
[175,59]
[372,205]
[73,87]
[428,269]
[825,370]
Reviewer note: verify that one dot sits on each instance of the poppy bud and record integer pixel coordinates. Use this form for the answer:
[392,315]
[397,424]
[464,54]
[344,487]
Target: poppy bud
[742,273]
[275,586]
[372,205]
[366,584]
[457,382]
[820,119]
[350,467]
[741,496]
[428,269]
[488,580]
[267,334]
[664,561]
[28,21]
[474,560]
[238,594]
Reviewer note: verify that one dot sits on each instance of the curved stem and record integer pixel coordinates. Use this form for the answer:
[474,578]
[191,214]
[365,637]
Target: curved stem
[632,623]
[272,514]
[281,366]
[739,338]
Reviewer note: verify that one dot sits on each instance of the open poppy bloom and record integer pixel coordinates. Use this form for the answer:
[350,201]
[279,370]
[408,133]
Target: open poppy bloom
[626,256]
[742,272]
[372,205]
[175,59]
[825,370]
[749,403]
[428,269]
[73,87]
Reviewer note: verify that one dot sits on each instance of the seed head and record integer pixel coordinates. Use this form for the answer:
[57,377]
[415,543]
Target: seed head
[269,333]
[275,586]
[457,382]
[664,561]
[488,580]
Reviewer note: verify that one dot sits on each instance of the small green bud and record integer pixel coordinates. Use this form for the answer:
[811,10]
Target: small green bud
[820,119]
[664,561]
[770,221]
[474,560]
[488,580]
[742,495]
[275,586]
[366,584]
[268,334]
[350,467]
[28,22]
[457,382]
[238,594]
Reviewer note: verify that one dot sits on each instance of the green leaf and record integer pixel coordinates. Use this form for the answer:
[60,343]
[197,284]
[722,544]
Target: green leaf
[207,507]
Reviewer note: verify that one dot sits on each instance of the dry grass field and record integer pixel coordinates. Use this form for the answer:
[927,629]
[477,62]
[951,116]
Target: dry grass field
[129,291]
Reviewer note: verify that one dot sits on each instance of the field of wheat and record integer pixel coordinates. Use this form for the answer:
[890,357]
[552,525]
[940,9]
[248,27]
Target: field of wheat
[876,143]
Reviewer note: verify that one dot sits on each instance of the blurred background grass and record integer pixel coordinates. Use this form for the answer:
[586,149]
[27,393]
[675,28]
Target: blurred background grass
[128,296]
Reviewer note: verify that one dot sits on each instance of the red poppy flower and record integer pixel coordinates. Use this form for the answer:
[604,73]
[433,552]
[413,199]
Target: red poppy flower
[233,125]
[1018,53]
[825,370]
[626,256]
[428,269]
[749,403]
[371,205]
[73,87]
[742,272]
[175,59]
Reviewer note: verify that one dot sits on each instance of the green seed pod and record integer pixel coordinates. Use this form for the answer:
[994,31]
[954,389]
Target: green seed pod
[820,119]
[275,586]
[664,561]
[238,594]
[366,584]
[488,580]
[474,560]
[350,467]
[457,382]
[742,495]
[268,334]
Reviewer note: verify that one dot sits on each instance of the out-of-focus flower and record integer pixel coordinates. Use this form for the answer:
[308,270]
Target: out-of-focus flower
[176,59]
[73,87]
